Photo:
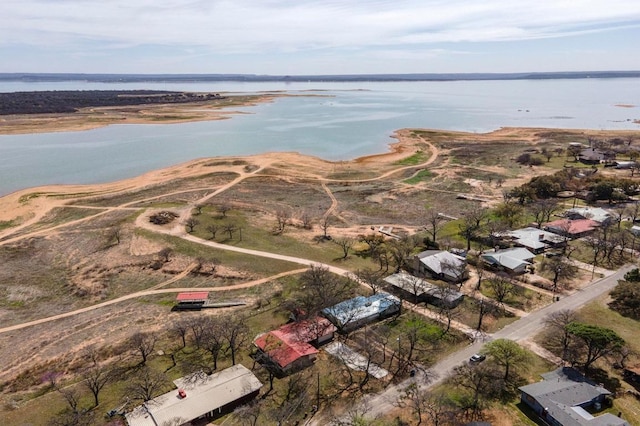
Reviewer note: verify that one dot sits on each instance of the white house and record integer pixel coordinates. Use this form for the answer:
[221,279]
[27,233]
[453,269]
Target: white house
[201,396]
[441,265]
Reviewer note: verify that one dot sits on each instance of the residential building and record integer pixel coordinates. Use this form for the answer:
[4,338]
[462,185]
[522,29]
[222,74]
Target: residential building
[535,240]
[354,313]
[572,228]
[198,397]
[441,265]
[597,214]
[419,290]
[293,346]
[563,397]
[513,260]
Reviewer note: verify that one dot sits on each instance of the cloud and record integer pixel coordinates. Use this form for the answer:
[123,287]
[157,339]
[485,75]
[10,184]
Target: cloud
[242,26]
[301,36]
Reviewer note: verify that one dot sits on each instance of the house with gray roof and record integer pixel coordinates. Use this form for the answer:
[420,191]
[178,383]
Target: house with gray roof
[514,260]
[419,290]
[596,214]
[198,396]
[440,265]
[563,397]
[354,313]
[534,239]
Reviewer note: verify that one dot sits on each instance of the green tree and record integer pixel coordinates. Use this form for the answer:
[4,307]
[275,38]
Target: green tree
[597,341]
[626,299]
[507,354]
[633,275]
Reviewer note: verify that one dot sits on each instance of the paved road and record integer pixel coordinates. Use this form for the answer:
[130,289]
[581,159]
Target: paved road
[524,328]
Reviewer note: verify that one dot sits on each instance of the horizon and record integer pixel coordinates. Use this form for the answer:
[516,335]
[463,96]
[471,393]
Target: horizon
[282,37]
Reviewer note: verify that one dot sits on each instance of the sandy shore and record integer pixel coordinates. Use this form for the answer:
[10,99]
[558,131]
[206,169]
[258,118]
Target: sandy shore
[31,204]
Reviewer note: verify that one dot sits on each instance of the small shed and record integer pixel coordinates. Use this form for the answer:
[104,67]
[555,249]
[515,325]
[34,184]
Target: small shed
[191,300]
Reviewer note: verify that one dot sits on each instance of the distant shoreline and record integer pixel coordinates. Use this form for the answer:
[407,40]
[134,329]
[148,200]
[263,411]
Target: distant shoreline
[194,78]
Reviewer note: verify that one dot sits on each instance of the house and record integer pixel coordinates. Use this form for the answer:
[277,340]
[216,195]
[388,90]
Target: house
[535,240]
[198,397]
[635,230]
[562,397]
[514,260]
[442,265]
[293,346]
[354,313]
[597,214]
[419,290]
[576,228]
[595,156]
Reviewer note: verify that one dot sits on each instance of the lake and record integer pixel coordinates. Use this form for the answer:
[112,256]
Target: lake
[349,120]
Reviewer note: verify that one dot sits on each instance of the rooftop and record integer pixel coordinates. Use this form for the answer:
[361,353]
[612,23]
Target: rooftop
[190,296]
[291,341]
[204,394]
[563,391]
[510,258]
[442,262]
[594,213]
[360,307]
[575,226]
[418,287]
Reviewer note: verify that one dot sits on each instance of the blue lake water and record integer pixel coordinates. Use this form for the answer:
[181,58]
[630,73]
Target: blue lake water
[349,120]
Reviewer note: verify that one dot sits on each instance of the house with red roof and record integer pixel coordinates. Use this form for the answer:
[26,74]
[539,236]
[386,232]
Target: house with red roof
[293,346]
[572,228]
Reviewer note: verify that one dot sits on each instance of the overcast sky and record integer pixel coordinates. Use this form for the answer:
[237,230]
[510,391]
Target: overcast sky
[292,37]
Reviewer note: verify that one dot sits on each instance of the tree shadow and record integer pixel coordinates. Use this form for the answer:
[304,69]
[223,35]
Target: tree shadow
[601,377]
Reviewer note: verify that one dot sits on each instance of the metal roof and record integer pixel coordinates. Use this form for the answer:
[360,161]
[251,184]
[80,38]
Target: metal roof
[192,296]
[360,307]
[204,394]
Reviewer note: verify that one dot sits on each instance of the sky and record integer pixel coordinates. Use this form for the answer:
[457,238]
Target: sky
[302,37]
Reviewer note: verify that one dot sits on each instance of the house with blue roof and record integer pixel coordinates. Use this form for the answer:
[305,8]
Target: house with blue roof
[354,313]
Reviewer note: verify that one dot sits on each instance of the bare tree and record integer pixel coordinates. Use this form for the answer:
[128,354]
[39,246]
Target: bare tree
[434,223]
[283,218]
[502,287]
[213,340]
[213,229]
[484,308]
[249,413]
[345,244]
[235,332]
[146,384]
[223,209]
[230,228]
[558,337]
[180,328]
[371,278]
[191,223]
[401,251]
[143,344]
[307,220]
[561,269]
[96,376]
[320,288]
[479,382]
[325,223]
[542,210]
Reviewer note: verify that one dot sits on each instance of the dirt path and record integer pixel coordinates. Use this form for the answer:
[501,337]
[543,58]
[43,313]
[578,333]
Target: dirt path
[157,289]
